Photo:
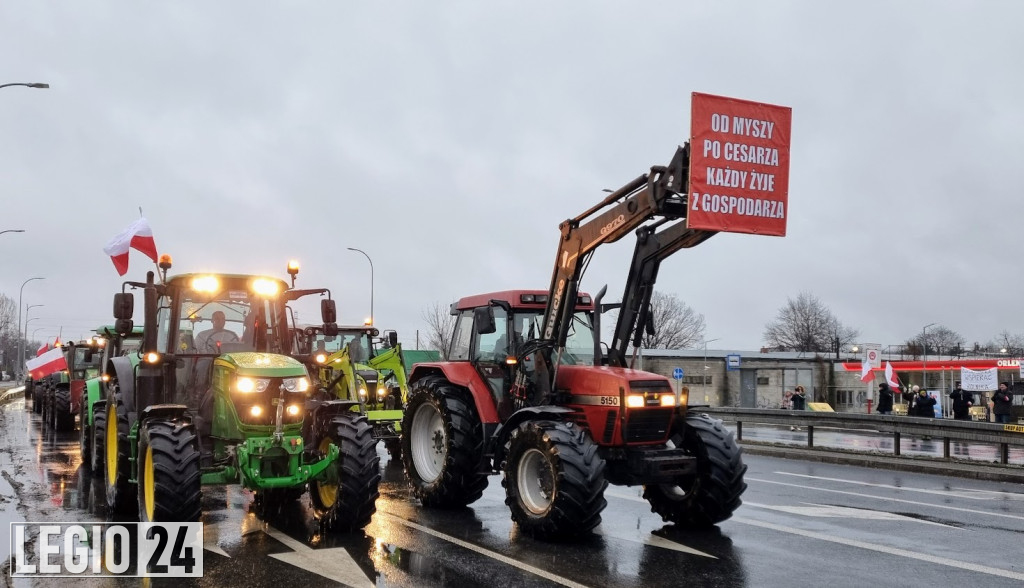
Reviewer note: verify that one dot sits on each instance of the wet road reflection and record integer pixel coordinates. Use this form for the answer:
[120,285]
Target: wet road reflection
[406,545]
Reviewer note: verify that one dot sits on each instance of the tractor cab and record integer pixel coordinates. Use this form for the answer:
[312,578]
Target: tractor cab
[492,332]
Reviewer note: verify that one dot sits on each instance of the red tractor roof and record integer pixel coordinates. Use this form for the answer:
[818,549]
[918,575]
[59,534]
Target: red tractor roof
[521,299]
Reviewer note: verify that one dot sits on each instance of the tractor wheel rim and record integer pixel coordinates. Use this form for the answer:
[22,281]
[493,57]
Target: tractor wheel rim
[428,443]
[111,446]
[149,487]
[328,493]
[536,481]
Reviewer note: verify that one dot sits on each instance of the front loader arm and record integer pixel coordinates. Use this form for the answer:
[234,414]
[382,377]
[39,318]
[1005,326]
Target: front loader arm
[392,360]
[651,248]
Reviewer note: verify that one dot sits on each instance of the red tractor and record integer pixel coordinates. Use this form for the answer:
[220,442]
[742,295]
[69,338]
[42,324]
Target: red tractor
[528,391]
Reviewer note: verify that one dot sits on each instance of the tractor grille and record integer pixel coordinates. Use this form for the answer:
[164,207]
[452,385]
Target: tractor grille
[650,424]
[609,426]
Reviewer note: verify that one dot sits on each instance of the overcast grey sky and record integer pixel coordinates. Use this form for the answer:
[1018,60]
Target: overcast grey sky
[448,140]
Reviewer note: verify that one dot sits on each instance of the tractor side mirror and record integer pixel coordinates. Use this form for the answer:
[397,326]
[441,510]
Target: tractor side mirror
[87,356]
[124,305]
[123,326]
[328,311]
[392,338]
[331,329]
[483,318]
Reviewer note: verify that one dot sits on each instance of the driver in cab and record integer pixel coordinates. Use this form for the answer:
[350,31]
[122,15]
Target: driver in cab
[209,340]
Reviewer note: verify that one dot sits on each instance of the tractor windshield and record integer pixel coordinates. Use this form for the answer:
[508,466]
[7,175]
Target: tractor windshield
[525,325]
[86,363]
[358,342]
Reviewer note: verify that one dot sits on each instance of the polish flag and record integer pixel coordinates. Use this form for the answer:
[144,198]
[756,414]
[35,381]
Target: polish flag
[890,377]
[866,375]
[137,235]
[50,362]
[42,349]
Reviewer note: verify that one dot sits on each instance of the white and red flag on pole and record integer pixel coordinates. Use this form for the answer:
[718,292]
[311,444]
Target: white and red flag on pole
[866,375]
[47,363]
[890,377]
[137,235]
[42,349]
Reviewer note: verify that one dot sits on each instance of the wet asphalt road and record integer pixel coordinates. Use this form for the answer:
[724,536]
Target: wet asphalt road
[802,524]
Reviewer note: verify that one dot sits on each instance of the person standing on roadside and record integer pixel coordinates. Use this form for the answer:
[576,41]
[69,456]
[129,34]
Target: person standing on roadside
[787,400]
[799,402]
[908,395]
[885,398]
[962,403]
[1001,402]
[924,405]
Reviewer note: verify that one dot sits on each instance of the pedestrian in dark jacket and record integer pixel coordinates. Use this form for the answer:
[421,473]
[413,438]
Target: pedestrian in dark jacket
[1001,403]
[924,405]
[962,403]
[884,398]
[799,398]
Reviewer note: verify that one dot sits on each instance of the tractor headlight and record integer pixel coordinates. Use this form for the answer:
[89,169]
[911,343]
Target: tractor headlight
[293,410]
[321,358]
[635,401]
[362,393]
[247,385]
[381,391]
[265,287]
[256,410]
[668,400]
[296,384]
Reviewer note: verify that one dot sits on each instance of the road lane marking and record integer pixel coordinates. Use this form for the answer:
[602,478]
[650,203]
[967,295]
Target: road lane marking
[889,486]
[842,512]
[333,563]
[887,498]
[655,541]
[944,561]
[483,551]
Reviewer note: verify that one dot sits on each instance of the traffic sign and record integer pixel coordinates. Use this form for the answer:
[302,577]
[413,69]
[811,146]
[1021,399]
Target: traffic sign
[677,373]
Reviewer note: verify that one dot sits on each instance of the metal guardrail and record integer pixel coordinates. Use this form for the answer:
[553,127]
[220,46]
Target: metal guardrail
[1002,435]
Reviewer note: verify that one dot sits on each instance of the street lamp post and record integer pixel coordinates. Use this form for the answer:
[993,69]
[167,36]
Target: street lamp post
[21,343]
[371,279]
[26,84]
[704,381]
[924,355]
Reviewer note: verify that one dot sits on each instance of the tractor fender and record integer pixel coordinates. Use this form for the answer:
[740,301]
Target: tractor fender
[322,412]
[122,369]
[461,373]
[530,413]
[164,412]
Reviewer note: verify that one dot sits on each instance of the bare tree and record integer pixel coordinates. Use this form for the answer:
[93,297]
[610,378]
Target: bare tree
[806,324]
[1012,343]
[9,333]
[440,325]
[940,340]
[676,325]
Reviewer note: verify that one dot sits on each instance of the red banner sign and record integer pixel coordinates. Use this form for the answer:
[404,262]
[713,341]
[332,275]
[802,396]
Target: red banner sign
[739,166]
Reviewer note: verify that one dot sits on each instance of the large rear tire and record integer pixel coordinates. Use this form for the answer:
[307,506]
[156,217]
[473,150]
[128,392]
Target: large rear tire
[37,398]
[348,499]
[63,418]
[554,480]
[116,473]
[169,488]
[442,444]
[99,435]
[712,494]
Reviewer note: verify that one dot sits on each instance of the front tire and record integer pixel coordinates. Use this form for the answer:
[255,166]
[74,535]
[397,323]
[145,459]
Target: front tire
[169,478]
[85,438]
[712,494]
[347,500]
[63,418]
[99,435]
[554,480]
[120,498]
[442,445]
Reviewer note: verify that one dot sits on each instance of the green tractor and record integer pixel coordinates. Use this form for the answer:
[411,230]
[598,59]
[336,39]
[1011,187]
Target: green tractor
[213,398]
[92,408]
[350,366]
